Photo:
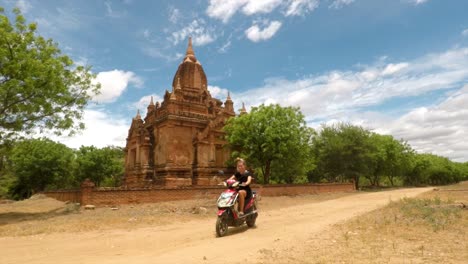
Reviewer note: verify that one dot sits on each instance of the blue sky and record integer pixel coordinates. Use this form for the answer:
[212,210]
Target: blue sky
[396,67]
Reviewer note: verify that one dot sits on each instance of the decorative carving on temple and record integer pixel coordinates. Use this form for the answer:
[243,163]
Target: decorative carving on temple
[180,142]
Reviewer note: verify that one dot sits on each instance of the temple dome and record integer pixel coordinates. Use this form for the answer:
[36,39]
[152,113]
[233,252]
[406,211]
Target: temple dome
[190,73]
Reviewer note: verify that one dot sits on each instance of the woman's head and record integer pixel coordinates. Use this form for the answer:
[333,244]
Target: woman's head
[241,165]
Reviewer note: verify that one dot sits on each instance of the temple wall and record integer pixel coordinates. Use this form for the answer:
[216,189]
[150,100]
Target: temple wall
[115,196]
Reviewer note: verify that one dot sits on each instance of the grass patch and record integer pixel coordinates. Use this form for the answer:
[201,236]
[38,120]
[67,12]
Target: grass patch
[434,213]
[431,228]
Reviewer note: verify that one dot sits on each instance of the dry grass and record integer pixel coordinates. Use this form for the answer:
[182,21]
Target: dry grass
[42,215]
[432,228]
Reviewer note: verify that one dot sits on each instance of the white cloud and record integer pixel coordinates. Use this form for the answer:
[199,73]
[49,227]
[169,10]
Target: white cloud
[260,6]
[344,95]
[101,130]
[225,9]
[201,35]
[55,21]
[155,52]
[108,8]
[24,6]
[394,68]
[300,7]
[340,3]
[113,83]
[66,19]
[110,12]
[225,47]
[439,129]
[417,2]
[255,34]
[218,92]
[174,15]
[202,39]
[143,103]
[465,33]
[146,33]
[81,61]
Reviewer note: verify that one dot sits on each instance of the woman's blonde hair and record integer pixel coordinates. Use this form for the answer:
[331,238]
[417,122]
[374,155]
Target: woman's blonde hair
[241,160]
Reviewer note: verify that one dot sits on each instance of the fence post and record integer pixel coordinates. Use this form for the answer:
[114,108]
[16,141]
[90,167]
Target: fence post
[87,192]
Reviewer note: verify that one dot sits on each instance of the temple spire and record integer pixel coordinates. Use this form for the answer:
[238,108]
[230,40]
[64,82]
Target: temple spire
[190,48]
[229,96]
[243,110]
[138,116]
[150,107]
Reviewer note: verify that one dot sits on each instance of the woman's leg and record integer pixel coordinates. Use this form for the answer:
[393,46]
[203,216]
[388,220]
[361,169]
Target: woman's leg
[242,195]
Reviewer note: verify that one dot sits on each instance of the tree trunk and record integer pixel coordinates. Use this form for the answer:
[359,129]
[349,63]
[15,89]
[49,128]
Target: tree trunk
[356,182]
[267,172]
[390,178]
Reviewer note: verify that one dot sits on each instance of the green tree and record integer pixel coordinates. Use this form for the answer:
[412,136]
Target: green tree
[272,137]
[430,169]
[39,164]
[105,167]
[343,152]
[6,178]
[40,88]
[390,158]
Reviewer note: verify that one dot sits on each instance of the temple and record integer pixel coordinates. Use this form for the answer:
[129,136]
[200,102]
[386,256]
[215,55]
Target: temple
[180,142]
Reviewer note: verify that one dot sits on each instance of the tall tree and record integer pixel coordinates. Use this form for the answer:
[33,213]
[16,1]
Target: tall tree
[272,134]
[6,178]
[104,166]
[40,88]
[391,158]
[343,151]
[40,164]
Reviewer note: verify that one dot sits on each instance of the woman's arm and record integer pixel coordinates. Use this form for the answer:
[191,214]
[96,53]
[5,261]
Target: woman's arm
[249,179]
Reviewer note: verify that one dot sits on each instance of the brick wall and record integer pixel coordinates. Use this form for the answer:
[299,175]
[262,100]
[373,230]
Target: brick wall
[115,196]
[65,195]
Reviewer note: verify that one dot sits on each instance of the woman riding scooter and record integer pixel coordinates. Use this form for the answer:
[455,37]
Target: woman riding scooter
[245,178]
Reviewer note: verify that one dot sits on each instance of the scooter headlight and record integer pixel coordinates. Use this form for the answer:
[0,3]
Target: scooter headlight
[224,200]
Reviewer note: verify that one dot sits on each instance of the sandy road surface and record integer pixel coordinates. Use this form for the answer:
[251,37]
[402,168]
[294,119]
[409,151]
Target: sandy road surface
[195,242]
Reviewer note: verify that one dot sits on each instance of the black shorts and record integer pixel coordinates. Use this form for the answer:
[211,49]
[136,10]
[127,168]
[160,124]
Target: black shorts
[248,191]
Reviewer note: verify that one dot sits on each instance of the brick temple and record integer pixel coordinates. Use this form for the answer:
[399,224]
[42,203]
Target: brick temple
[180,142]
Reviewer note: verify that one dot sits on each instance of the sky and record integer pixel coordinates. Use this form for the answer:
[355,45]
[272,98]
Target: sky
[397,67]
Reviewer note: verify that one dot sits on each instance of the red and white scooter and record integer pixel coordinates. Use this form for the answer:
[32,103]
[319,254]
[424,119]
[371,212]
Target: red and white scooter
[227,209]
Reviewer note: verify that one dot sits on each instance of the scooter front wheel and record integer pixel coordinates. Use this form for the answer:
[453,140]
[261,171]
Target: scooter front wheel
[221,226]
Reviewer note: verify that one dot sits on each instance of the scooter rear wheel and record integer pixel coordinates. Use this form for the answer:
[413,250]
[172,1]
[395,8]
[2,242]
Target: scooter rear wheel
[221,226]
[250,221]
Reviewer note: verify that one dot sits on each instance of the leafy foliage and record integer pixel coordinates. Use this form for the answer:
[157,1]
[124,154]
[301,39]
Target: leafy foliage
[40,164]
[344,152]
[434,170]
[102,166]
[40,88]
[391,158]
[272,137]
[36,165]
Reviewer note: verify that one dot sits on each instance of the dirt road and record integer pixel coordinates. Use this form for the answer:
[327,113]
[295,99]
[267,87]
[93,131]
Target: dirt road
[195,242]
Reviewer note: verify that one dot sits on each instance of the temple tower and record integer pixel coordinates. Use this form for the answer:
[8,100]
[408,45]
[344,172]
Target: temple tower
[180,142]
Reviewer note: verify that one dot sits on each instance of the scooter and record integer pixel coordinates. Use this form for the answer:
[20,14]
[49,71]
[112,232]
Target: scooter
[227,209]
